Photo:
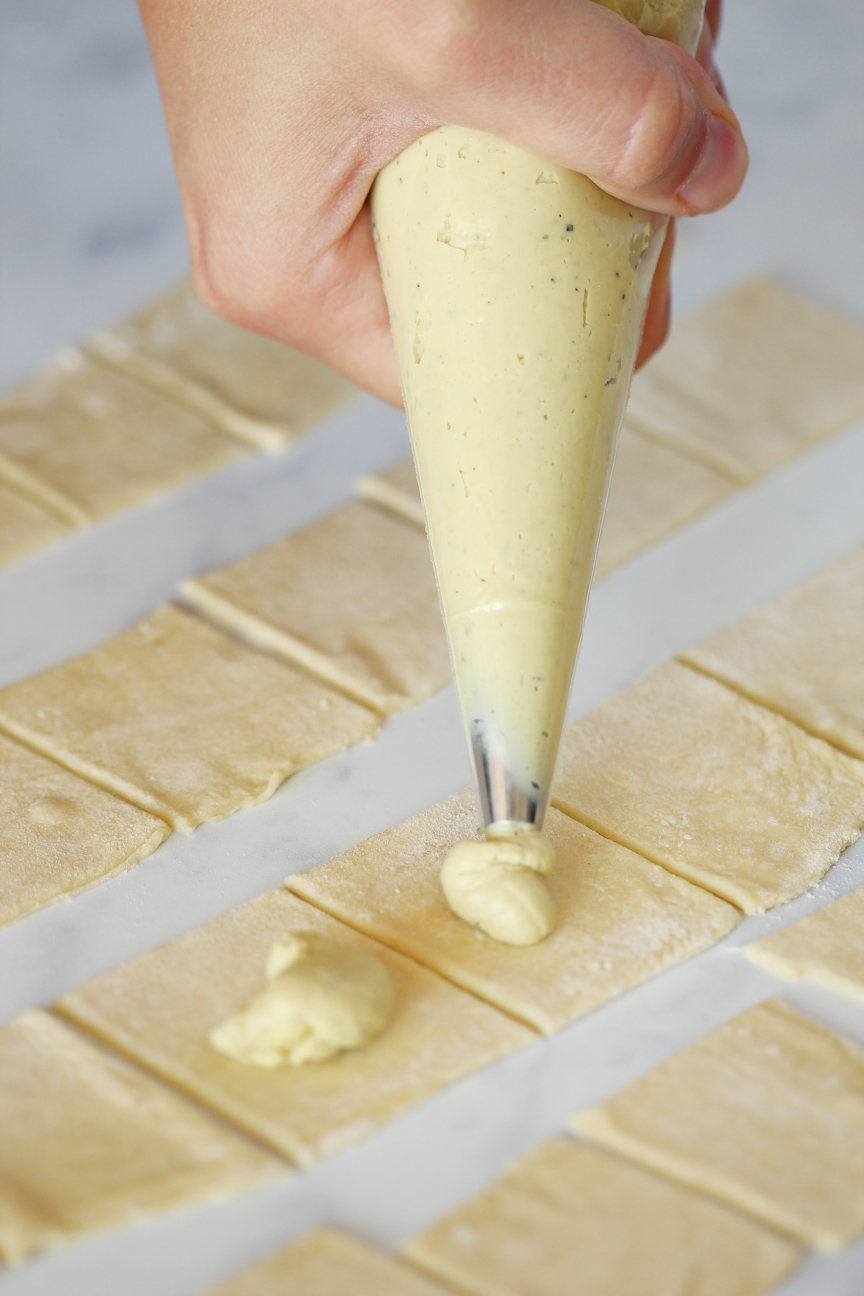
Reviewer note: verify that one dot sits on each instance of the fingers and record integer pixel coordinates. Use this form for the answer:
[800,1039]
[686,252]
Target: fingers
[572,81]
[280,114]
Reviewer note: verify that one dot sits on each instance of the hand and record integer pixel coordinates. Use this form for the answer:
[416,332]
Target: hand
[281,113]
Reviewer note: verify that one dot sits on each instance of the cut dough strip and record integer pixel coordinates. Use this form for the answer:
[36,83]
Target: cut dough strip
[826,946]
[181,720]
[569,1218]
[326,1262]
[765,1113]
[620,919]
[718,790]
[85,442]
[91,1143]
[60,834]
[159,1009]
[25,525]
[801,654]
[258,391]
[752,380]
[351,599]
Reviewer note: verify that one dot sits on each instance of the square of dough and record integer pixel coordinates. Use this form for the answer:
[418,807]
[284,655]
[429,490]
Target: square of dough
[255,389]
[25,525]
[620,919]
[570,1218]
[351,598]
[181,719]
[654,490]
[826,946]
[753,379]
[765,1113]
[698,779]
[396,491]
[325,1262]
[802,654]
[59,834]
[86,441]
[91,1143]
[159,1010]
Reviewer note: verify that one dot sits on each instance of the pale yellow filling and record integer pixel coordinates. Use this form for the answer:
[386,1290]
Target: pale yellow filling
[324,998]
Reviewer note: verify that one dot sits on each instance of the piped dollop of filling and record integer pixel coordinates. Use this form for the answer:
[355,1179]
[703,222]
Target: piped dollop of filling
[324,998]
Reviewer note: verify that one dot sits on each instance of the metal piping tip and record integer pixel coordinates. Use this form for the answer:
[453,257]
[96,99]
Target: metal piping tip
[503,799]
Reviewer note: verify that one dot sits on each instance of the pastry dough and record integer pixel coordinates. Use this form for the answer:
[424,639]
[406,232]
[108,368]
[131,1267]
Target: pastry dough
[396,491]
[60,834]
[160,1008]
[718,790]
[752,380]
[327,1263]
[25,525]
[569,1218]
[85,441]
[766,1113]
[352,599]
[654,490]
[260,391]
[826,946]
[90,1142]
[181,719]
[801,654]
[620,919]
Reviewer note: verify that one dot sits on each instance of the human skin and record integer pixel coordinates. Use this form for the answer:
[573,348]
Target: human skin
[281,113]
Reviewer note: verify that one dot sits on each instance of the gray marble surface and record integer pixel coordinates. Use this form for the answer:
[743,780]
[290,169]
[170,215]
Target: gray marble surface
[90,225]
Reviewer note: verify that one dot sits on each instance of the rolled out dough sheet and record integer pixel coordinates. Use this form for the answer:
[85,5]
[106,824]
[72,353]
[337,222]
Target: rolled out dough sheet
[802,654]
[25,526]
[86,441]
[59,834]
[351,598]
[827,946]
[753,379]
[182,720]
[654,490]
[91,1143]
[765,1113]
[253,388]
[718,790]
[159,1009]
[620,919]
[570,1218]
[328,1263]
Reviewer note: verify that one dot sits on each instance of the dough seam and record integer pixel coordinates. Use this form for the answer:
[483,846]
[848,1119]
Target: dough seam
[18,478]
[602,831]
[114,1048]
[93,773]
[253,432]
[375,490]
[693,450]
[256,631]
[595,1128]
[735,686]
[384,938]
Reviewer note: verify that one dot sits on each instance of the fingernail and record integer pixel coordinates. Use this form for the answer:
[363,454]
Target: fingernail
[717,175]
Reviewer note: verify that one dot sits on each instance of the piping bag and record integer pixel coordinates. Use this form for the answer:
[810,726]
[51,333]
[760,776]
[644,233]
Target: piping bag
[517,293]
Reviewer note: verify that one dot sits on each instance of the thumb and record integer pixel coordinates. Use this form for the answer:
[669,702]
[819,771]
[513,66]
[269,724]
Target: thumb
[572,81]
